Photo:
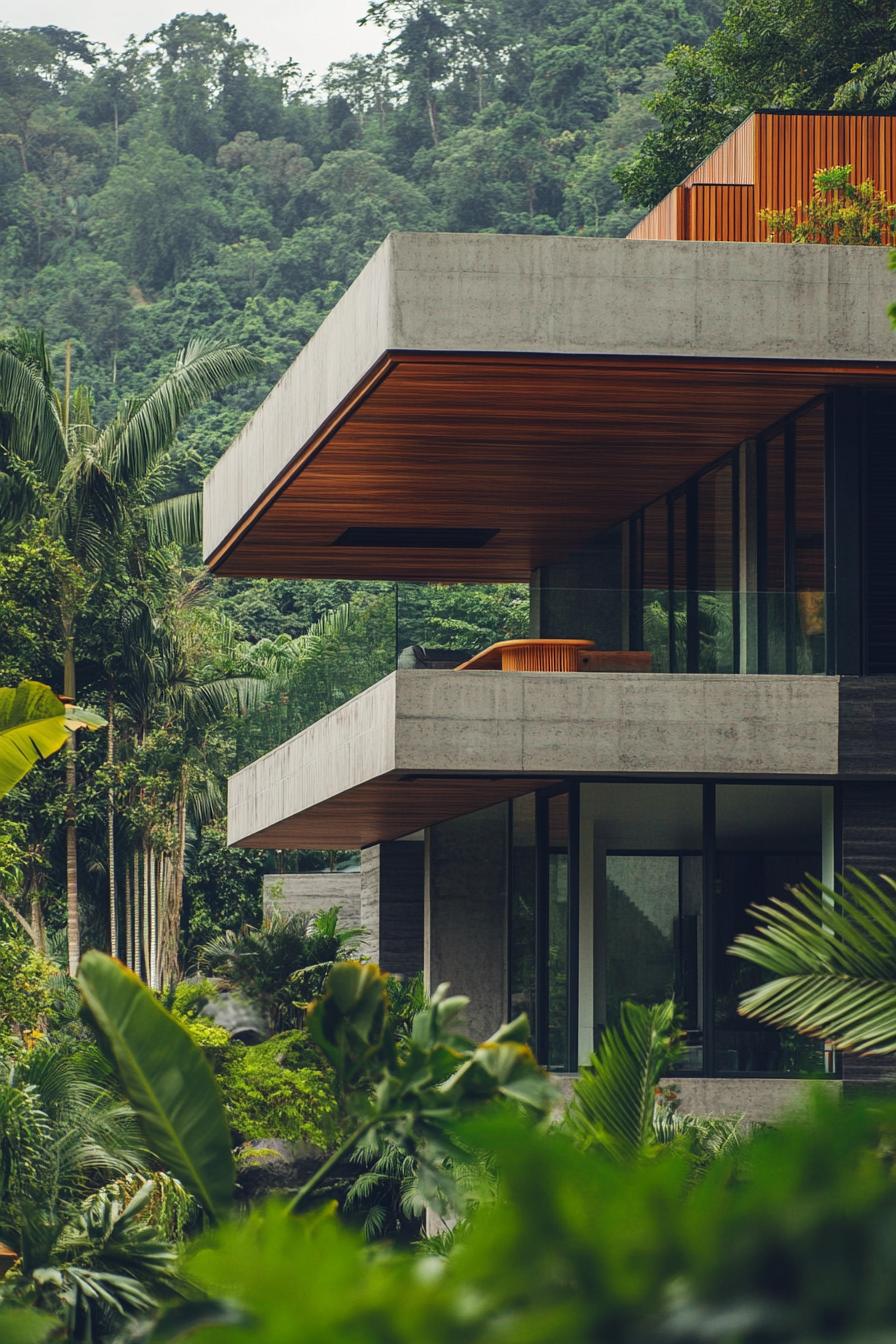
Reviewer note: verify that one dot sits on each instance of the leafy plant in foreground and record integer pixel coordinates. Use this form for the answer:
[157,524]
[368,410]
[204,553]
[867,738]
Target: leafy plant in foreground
[34,723]
[167,1080]
[833,955]
[410,1093]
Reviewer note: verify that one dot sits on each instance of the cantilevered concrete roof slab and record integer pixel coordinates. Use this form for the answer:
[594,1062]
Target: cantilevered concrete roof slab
[501,399]
[420,747]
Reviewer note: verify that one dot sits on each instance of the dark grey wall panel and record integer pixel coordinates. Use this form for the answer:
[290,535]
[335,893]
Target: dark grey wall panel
[869,843]
[401,906]
[868,726]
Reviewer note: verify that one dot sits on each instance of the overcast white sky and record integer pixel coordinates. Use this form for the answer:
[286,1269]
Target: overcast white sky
[312,32]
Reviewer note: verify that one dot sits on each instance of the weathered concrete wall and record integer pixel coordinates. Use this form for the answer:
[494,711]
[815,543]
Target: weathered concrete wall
[617,723]
[482,292]
[354,743]
[465,914]
[754,1100]
[392,876]
[309,893]
[543,724]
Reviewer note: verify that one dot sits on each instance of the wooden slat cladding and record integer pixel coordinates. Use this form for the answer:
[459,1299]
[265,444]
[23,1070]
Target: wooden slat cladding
[718,214]
[547,450]
[731,163]
[777,155]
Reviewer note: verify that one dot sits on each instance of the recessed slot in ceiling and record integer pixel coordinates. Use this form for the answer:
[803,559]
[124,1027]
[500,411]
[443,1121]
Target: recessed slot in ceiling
[420,538]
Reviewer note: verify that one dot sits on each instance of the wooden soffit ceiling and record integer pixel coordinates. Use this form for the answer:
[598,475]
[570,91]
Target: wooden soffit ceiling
[388,808]
[544,451]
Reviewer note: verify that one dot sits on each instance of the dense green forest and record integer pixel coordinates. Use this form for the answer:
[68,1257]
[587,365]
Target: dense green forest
[191,186]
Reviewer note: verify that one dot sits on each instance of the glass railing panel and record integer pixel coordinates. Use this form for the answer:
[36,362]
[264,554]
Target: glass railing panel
[437,626]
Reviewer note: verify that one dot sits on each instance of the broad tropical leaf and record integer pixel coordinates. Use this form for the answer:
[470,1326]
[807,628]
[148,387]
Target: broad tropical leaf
[834,958]
[167,1080]
[614,1096]
[34,723]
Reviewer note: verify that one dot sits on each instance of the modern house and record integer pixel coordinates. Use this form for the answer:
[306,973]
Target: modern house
[686,451]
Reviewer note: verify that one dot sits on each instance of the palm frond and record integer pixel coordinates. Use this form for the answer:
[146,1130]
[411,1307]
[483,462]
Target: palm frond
[178,518]
[614,1096]
[144,429]
[833,953]
[29,421]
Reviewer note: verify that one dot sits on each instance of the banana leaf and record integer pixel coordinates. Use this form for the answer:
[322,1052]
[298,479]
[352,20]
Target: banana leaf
[166,1078]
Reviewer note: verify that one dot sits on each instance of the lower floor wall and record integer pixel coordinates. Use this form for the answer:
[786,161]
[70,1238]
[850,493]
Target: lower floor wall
[564,910]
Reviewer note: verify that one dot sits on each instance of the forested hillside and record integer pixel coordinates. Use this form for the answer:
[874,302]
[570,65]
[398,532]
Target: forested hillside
[194,183]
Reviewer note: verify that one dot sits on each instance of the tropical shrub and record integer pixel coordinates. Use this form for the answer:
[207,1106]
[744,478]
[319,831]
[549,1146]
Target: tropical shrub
[838,211]
[788,1239]
[212,1040]
[269,1093]
[281,965]
[189,997]
[26,986]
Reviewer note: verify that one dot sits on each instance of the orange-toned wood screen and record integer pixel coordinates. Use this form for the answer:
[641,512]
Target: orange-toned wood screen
[768,163]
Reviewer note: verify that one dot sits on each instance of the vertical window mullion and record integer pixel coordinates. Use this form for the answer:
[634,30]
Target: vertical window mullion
[708,949]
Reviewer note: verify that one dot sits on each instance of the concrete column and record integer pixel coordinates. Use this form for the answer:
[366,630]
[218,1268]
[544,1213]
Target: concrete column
[465,938]
[583,597]
[392,905]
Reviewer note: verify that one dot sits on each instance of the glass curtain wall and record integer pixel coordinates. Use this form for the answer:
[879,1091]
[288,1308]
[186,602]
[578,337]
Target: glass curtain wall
[673,869]
[687,593]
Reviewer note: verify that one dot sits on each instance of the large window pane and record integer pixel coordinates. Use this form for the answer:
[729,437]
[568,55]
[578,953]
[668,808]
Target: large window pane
[679,583]
[809,540]
[558,932]
[655,584]
[715,569]
[523,870]
[654,932]
[773,559]
[767,839]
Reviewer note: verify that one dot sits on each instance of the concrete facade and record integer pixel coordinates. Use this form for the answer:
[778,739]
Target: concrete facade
[539,724]
[569,296]
[753,1101]
[310,893]
[465,915]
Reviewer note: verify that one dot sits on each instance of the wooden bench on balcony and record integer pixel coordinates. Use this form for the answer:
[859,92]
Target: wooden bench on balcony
[556,655]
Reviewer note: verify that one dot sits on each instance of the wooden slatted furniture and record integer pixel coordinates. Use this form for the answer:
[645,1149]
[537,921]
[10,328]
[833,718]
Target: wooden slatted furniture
[530,655]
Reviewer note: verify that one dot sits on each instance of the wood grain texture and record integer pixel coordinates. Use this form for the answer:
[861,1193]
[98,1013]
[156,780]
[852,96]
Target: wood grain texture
[547,450]
[768,163]
[389,807]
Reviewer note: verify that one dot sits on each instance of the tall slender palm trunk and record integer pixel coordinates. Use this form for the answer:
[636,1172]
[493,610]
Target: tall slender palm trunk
[73,920]
[110,829]
[128,919]
[153,976]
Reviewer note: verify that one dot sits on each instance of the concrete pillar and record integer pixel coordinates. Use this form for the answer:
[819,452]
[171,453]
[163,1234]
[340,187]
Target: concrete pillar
[465,921]
[583,597]
[392,905]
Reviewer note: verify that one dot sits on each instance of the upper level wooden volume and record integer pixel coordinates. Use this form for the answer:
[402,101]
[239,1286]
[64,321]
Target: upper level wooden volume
[768,163]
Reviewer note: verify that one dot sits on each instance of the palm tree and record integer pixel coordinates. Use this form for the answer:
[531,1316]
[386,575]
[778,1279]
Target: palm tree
[95,484]
[833,954]
[620,1104]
